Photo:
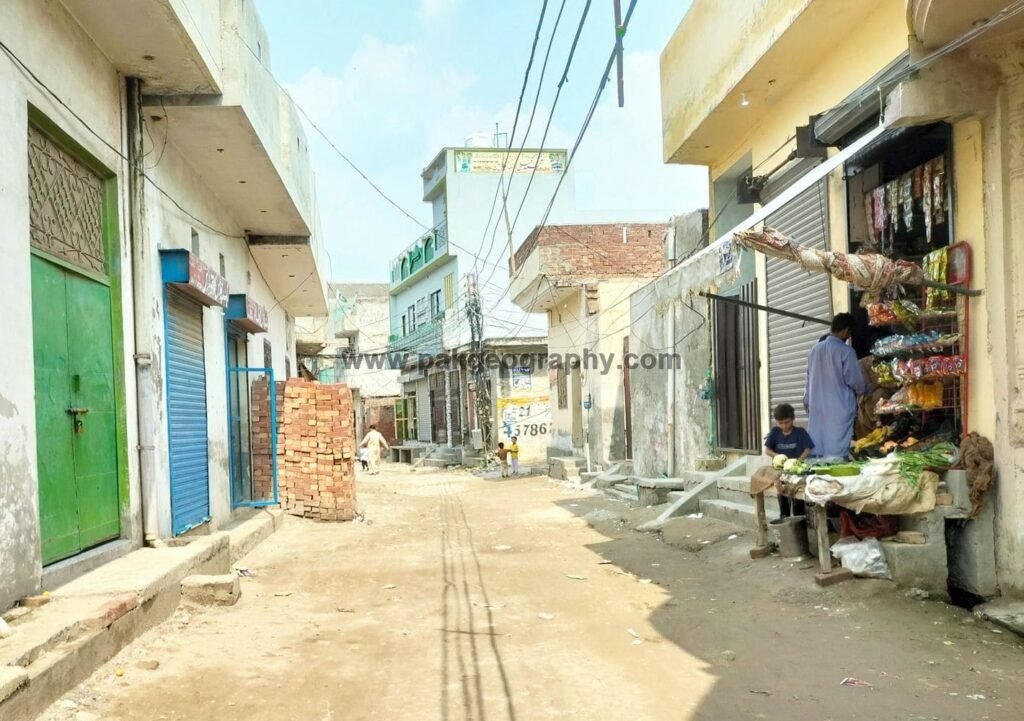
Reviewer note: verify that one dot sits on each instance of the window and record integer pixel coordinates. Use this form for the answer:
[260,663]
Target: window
[195,242]
[737,372]
[412,318]
[268,357]
[428,250]
[405,328]
[222,265]
[435,304]
[405,268]
[449,290]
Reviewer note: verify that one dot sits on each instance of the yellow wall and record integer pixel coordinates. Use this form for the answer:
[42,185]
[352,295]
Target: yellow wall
[969,225]
[866,50]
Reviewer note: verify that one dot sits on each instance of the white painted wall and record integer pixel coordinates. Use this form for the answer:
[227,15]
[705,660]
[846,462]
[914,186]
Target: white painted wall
[49,42]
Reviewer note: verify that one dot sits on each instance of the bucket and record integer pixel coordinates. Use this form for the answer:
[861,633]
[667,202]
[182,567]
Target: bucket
[792,533]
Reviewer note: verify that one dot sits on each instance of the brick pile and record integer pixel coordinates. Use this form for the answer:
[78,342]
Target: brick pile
[315,448]
[262,468]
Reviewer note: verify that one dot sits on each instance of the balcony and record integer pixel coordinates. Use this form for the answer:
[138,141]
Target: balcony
[731,62]
[248,145]
[418,260]
[425,340]
[173,45]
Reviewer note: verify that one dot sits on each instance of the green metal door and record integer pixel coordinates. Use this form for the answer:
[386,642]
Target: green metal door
[76,424]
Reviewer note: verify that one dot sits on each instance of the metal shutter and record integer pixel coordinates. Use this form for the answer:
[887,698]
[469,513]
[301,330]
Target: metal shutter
[186,413]
[789,287]
[423,411]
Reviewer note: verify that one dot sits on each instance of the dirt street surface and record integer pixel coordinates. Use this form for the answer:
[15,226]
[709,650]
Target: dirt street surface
[524,599]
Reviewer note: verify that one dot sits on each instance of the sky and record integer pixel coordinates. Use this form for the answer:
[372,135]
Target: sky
[392,82]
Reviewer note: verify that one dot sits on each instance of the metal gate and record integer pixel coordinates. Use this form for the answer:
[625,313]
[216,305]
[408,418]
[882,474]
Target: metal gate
[454,383]
[186,413]
[252,423]
[438,409]
[789,287]
[737,397]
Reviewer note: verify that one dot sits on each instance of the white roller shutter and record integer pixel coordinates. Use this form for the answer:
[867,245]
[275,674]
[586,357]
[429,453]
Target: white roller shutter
[789,287]
[423,410]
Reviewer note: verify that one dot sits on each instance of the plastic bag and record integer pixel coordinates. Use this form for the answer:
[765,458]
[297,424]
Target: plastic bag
[865,559]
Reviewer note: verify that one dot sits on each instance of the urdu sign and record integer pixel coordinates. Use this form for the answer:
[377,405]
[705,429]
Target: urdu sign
[494,160]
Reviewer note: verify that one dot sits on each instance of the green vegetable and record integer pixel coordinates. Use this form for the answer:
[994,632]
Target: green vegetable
[913,463]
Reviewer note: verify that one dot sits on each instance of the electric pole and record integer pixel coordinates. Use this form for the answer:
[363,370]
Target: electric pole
[476,359]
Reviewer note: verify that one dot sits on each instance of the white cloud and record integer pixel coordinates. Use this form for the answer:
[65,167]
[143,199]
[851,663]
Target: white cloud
[433,13]
[396,104]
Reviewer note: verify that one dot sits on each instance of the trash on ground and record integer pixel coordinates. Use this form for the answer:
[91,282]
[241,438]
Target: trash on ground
[632,633]
[760,692]
[645,580]
[603,563]
[733,537]
[282,594]
[574,577]
[865,559]
[855,683]
[502,548]
[390,586]
[342,609]
[245,572]
[918,594]
[976,697]
[545,616]
[696,515]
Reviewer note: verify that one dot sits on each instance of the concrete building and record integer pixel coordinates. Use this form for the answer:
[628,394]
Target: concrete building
[582,277]
[436,280]
[161,234]
[350,346]
[942,78]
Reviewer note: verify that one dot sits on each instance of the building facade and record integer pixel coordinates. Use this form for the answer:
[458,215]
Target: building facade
[935,84]
[161,235]
[582,278]
[453,278]
[350,346]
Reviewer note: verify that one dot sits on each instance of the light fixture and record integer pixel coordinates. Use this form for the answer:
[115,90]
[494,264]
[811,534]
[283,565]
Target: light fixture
[744,102]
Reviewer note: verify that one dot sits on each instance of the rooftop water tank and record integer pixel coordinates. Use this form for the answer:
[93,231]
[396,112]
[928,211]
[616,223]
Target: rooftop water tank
[480,140]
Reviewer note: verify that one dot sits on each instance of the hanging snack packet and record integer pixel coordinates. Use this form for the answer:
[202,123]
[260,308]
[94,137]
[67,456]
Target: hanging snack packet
[907,199]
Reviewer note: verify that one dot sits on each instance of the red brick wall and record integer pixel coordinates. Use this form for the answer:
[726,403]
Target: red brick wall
[380,412]
[315,448]
[588,252]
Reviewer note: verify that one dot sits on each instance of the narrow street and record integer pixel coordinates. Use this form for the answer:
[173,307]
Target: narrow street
[460,598]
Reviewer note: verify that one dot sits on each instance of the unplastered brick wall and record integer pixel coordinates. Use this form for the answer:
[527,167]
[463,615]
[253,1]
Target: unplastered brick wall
[593,252]
[315,448]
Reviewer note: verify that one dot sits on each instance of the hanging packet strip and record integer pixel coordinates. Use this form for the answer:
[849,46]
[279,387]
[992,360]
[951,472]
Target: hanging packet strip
[907,199]
[926,184]
[936,265]
[869,216]
[939,190]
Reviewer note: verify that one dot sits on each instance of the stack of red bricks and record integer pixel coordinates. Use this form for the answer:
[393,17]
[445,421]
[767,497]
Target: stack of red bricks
[262,451]
[315,448]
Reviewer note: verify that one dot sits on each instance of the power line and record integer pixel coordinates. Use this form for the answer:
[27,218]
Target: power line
[328,140]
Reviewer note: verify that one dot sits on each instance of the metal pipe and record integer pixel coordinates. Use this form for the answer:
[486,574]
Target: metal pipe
[670,320]
[142,295]
[758,306]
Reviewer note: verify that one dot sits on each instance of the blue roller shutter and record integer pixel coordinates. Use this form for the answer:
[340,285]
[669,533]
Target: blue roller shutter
[186,413]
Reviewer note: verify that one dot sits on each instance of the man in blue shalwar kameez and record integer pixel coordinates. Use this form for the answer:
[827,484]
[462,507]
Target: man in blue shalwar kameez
[834,380]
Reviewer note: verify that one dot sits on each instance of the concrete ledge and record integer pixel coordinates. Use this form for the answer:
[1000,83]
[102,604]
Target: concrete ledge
[89,620]
[222,590]
[245,535]
[66,571]
[668,484]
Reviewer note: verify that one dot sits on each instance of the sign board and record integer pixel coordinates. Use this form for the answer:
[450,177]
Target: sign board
[522,379]
[247,314]
[525,416]
[185,271]
[544,162]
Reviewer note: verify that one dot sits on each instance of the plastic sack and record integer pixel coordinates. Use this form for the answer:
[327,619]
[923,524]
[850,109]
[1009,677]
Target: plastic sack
[864,559]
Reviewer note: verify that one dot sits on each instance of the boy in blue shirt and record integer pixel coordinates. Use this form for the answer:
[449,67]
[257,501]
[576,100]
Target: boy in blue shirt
[789,440]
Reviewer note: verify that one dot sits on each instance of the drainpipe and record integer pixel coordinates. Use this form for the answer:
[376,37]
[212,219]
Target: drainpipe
[670,332]
[142,295]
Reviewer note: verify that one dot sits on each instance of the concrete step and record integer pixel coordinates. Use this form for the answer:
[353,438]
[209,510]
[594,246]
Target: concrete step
[621,495]
[737,514]
[625,488]
[438,463]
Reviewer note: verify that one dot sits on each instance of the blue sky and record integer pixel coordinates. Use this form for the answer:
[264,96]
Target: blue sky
[393,81]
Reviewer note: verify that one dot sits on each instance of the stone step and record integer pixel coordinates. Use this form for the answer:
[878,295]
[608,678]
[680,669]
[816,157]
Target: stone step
[438,463]
[737,514]
[621,495]
[626,488]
